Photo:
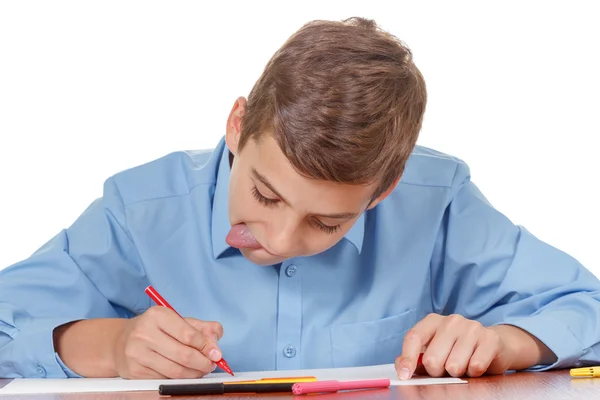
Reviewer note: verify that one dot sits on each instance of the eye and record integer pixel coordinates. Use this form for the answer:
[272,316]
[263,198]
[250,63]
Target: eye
[265,201]
[326,228]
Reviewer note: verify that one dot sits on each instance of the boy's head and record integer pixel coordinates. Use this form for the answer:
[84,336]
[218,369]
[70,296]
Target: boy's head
[325,135]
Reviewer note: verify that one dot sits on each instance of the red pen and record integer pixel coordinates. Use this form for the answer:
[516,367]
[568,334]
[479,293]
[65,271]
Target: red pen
[158,299]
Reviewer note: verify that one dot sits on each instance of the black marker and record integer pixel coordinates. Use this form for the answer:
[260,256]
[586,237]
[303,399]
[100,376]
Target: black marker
[196,389]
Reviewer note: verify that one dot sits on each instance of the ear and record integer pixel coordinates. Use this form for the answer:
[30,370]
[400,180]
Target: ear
[385,194]
[233,131]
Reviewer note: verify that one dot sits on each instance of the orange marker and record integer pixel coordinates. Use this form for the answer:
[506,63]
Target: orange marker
[158,299]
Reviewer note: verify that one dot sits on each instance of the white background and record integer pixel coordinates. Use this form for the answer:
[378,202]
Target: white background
[91,88]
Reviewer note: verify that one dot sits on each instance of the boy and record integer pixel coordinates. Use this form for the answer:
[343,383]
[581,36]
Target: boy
[317,234]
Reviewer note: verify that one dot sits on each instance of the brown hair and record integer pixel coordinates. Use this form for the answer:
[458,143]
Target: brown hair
[343,100]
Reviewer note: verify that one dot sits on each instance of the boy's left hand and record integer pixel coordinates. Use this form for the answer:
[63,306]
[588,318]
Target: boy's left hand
[458,346]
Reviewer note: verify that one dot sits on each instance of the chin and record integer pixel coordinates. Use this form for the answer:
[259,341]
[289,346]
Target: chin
[261,257]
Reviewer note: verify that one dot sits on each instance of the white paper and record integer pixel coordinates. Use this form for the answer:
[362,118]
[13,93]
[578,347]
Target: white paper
[89,385]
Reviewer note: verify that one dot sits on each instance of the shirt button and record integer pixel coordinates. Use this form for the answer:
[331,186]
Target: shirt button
[289,351]
[291,270]
[40,371]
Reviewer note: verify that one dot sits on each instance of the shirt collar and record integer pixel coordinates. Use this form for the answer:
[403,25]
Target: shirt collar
[356,234]
[220,209]
[220,216]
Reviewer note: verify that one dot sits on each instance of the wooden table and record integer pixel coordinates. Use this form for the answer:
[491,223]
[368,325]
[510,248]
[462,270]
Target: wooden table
[524,385]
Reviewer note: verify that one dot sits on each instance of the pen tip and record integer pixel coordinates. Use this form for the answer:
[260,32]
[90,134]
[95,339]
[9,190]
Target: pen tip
[223,364]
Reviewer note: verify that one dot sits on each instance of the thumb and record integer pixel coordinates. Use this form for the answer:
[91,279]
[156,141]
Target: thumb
[405,364]
[403,367]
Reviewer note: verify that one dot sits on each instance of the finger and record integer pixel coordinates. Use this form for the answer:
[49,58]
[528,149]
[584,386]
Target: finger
[181,354]
[487,350]
[183,332]
[209,328]
[458,359]
[170,369]
[141,372]
[414,340]
[438,350]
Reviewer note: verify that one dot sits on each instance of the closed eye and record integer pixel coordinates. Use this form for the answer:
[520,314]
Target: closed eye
[265,201]
[268,202]
[326,228]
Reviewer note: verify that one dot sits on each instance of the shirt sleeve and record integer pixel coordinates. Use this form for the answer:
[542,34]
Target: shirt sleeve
[90,270]
[490,270]
[68,372]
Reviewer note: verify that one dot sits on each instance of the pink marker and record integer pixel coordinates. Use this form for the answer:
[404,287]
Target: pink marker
[334,386]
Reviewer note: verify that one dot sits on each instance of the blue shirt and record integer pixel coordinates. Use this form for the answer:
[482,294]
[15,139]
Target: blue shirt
[435,245]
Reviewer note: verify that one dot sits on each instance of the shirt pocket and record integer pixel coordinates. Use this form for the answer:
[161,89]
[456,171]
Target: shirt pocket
[371,342]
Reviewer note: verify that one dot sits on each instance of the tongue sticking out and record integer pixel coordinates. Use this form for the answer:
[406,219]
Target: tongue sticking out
[240,237]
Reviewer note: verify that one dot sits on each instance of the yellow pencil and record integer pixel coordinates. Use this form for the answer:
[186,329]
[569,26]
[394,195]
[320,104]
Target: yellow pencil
[587,372]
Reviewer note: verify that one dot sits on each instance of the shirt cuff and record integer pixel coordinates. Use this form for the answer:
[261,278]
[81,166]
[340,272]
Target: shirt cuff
[554,334]
[37,358]
[66,370]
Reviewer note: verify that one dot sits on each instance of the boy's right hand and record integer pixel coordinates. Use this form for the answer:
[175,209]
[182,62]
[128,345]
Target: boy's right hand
[160,344]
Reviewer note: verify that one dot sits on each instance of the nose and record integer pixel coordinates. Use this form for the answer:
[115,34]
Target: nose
[283,238]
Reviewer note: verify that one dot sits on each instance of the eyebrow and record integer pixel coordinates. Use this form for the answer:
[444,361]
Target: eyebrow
[265,181]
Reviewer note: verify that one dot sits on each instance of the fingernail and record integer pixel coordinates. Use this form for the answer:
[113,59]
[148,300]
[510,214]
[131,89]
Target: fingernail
[215,337]
[404,374]
[214,355]
[214,367]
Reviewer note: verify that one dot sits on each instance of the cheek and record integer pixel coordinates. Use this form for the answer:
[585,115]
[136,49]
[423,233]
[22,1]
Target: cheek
[317,241]
[243,207]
